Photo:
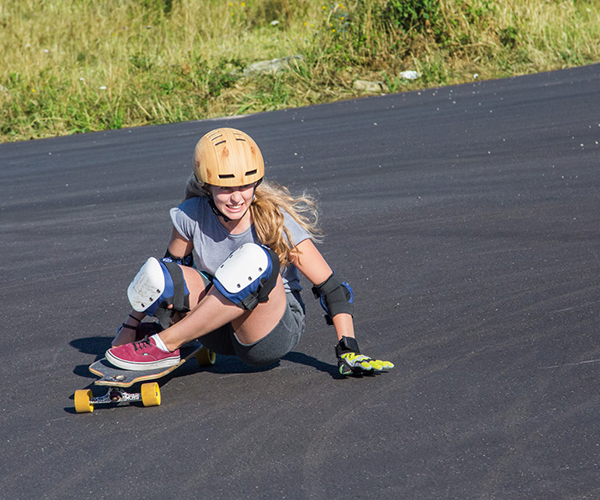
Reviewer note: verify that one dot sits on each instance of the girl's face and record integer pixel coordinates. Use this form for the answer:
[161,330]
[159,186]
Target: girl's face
[233,202]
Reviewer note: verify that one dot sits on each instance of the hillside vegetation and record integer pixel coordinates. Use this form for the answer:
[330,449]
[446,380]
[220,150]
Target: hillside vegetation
[72,66]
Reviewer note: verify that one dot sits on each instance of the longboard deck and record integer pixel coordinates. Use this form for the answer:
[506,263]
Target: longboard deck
[116,377]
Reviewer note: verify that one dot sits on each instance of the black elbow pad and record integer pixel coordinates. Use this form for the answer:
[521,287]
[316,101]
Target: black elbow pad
[336,297]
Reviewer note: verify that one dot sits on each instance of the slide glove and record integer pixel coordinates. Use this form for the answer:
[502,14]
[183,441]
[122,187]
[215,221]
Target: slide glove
[352,362]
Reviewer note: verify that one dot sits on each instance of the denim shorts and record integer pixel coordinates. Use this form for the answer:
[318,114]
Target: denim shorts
[271,348]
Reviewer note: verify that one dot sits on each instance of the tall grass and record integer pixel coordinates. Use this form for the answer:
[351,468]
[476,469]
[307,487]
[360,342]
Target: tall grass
[82,65]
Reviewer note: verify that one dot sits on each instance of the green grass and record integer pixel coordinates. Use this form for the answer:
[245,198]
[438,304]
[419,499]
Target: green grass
[81,65]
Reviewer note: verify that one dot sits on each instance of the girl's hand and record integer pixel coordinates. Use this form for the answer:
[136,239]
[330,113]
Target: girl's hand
[351,362]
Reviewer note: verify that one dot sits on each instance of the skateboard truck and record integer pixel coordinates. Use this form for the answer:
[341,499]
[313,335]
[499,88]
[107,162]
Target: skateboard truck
[85,399]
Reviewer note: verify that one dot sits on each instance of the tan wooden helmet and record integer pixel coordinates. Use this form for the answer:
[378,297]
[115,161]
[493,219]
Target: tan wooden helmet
[228,157]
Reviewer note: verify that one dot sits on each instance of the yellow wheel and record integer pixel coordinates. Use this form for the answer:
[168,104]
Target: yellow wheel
[151,394]
[206,357]
[82,401]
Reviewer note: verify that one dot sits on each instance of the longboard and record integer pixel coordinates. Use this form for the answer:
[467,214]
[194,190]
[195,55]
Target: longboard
[116,380]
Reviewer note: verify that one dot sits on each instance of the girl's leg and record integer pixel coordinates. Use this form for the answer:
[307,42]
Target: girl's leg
[252,310]
[213,310]
[197,287]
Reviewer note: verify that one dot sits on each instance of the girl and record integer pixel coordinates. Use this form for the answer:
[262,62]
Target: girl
[248,239]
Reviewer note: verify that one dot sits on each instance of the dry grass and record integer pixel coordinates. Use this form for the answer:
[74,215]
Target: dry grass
[83,65]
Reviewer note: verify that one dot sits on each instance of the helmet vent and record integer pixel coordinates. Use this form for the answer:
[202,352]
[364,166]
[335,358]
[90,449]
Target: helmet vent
[222,142]
[227,176]
[251,172]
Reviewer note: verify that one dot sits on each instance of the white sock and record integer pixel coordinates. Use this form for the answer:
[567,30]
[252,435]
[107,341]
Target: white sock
[159,343]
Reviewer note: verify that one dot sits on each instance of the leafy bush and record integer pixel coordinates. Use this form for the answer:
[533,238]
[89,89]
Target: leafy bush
[412,15]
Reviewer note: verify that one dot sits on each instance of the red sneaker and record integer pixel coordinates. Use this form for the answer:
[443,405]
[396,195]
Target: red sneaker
[142,355]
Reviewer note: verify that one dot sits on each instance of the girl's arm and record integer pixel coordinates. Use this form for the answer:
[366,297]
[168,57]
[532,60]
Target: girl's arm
[178,246]
[311,263]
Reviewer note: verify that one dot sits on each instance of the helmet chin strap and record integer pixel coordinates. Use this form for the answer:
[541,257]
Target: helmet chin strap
[218,213]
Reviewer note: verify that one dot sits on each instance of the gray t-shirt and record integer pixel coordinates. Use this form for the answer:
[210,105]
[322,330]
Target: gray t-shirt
[196,222]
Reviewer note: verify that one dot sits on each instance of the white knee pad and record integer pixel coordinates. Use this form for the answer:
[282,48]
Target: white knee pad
[157,286]
[248,275]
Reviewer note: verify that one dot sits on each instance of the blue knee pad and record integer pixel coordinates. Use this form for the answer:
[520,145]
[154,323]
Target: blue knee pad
[248,275]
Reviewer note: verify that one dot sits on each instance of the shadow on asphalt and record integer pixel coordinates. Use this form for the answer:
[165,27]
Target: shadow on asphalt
[225,364]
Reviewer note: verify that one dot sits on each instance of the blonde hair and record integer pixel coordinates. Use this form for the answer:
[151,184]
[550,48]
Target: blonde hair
[267,216]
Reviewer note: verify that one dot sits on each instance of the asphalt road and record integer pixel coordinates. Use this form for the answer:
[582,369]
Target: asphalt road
[467,220]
